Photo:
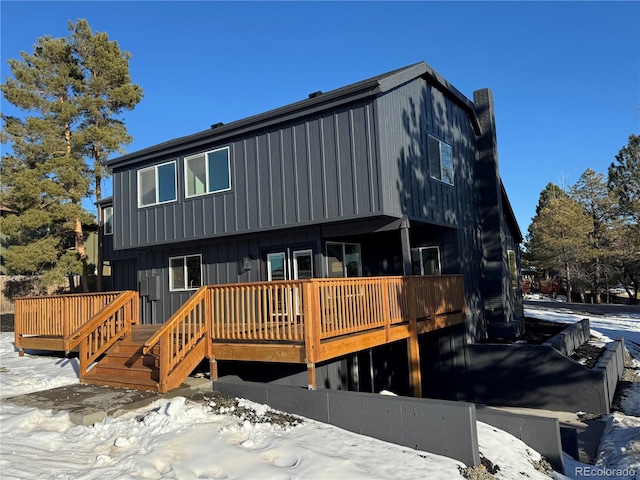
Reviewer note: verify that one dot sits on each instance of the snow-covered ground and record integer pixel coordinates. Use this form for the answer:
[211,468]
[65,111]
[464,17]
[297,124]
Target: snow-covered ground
[181,439]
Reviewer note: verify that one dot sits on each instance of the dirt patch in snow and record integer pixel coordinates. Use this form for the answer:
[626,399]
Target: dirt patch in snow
[536,332]
[220,403]
[588,354]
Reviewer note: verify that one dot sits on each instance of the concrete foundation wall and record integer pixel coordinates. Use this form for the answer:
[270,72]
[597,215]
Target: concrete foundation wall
[540,433]
[435,426]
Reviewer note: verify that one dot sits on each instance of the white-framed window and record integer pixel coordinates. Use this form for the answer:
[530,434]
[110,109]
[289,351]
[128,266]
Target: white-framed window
[157,184]
[425,261]
[513,268]
[343,260]
[107,220]
[208,172]
[286,265]
[440,160]
[185,273]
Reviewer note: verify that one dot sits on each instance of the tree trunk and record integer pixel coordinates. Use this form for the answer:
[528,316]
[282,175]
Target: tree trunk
[82,252]
[98,174]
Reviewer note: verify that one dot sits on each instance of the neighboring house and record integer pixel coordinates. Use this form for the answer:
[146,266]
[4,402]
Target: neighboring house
[394,175]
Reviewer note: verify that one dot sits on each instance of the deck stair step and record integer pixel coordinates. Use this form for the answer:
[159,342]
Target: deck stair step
[125,366]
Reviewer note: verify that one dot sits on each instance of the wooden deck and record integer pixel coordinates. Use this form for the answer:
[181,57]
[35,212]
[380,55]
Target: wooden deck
[304,321]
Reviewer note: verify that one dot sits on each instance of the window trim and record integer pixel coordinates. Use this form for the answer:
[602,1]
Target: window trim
[442,169]
[185,271]
[105,222]
[513,268]
[207,180]
[155,168]
[431,247]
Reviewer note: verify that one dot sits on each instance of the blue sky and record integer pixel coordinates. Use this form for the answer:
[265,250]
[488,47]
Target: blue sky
[565,75]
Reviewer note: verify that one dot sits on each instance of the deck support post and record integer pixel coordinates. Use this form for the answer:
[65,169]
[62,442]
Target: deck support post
[413,346]
[21,352]
[311,376]
[213,369]
[415,374]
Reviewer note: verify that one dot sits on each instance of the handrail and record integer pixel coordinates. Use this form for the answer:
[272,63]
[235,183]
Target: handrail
[174,320]
[178,337]
[104,329]
[297,310]
[56,315]
[73,340]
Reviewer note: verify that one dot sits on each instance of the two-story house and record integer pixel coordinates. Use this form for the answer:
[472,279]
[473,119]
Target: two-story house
[396,175]
[359,239]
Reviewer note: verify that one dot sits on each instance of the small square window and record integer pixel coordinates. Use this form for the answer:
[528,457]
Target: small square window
[343,260]
[185,273]
[425,261]
[157,184]
[440,160]
[208,172]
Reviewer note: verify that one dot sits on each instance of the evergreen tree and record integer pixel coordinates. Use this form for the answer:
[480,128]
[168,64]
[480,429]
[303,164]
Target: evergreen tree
[106,91]
[557,237]
[624,179]
[44,177]
[591,191]
[73,90]
[624,183]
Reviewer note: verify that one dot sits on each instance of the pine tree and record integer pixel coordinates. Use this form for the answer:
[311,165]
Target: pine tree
[624,184]
[74,90]
[44,177]
[557,238]
[106,91]
[592,192]
[624,179]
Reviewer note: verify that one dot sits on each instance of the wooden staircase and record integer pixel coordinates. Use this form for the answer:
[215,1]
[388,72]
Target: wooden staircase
[125,365]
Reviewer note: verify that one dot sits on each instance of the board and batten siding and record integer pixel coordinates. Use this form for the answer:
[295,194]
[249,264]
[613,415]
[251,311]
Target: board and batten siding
[316,169]
[407,115]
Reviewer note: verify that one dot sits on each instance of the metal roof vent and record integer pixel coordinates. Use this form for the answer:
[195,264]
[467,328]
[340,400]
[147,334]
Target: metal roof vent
[216,125]
[315,94]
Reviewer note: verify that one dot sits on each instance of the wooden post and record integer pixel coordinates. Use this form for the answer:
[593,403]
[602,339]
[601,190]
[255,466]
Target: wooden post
[413,347]
[17,325]
[213,369]
[413,353]
[311,376]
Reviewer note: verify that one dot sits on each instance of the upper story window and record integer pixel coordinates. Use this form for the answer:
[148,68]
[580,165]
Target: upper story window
[513,268]
[440,160]
[107,220]
[185,273]
[425,261]
[157,184]
[207,172]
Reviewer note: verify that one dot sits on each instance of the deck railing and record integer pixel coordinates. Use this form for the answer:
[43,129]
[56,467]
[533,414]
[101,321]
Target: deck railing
[179,335]
[58,315]
[257,311]
[104,329]
[281,311]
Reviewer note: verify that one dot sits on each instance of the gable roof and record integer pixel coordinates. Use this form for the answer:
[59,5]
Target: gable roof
[316,102]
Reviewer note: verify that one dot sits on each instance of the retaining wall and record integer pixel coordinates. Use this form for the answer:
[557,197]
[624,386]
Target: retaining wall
[539,376]
[436,426]
[571,337]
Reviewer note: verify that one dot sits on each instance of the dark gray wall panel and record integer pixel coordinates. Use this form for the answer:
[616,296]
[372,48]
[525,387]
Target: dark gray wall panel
[318,169]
